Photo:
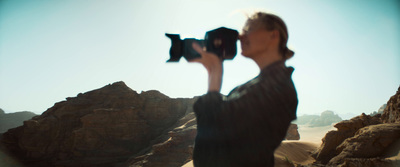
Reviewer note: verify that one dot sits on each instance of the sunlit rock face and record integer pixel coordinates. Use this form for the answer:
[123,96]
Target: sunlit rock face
[364,140]
[97,128]
[369,142]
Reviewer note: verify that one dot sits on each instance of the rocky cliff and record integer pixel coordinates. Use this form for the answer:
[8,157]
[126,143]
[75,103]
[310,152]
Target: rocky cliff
[98,128]
[391,113]
[364,140]
[110,126]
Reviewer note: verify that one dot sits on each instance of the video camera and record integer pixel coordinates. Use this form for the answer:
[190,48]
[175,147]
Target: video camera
[221,41]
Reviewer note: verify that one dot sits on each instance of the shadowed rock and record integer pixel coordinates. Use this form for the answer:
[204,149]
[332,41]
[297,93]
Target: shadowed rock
[364,140]
[292,133]
[175,150]
[97,128]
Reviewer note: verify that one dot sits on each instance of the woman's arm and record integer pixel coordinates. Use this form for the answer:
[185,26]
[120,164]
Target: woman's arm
[213,64]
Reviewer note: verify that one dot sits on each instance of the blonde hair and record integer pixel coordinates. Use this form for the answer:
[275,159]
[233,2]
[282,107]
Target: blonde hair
[272,22]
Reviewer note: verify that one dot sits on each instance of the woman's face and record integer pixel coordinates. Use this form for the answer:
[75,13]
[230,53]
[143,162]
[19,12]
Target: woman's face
[255,40]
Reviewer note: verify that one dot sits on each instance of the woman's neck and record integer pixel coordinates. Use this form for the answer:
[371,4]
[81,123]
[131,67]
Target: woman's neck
[267,59]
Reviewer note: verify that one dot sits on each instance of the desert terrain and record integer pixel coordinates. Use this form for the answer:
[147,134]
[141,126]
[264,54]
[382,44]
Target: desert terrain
[117,126]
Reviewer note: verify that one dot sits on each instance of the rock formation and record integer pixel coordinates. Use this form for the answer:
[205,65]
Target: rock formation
[391,114]
[110,126]
[292,133]
[97,128]
[369,142]
[364,140]
[12,120]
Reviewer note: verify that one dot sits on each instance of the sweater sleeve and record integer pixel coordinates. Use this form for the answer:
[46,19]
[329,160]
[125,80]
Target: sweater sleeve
[207,109]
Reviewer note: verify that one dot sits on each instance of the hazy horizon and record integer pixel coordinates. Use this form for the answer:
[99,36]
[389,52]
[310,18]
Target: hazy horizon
[347,58]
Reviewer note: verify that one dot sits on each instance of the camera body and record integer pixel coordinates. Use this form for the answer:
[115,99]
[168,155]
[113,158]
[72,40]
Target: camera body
[221,41]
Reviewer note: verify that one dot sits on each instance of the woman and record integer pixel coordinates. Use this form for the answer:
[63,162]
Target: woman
[245,127]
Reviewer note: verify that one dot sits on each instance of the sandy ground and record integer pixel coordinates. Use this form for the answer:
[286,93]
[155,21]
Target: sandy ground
[297,152]
[313,134]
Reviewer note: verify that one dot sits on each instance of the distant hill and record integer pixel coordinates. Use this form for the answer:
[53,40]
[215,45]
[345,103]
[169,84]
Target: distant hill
[12,120]
[326,118]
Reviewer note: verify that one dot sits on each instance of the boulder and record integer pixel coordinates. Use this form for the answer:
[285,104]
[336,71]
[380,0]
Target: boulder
[369,142]
[292,133]
[345,130]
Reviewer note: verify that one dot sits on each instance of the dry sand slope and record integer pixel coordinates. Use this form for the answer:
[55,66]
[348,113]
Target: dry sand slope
[313,134]
[298,152]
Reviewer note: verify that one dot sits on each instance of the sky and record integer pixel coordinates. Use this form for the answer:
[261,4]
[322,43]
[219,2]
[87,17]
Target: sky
[347,58]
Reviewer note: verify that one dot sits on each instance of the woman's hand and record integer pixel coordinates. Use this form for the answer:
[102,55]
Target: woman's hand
[213,64]
[209,60]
